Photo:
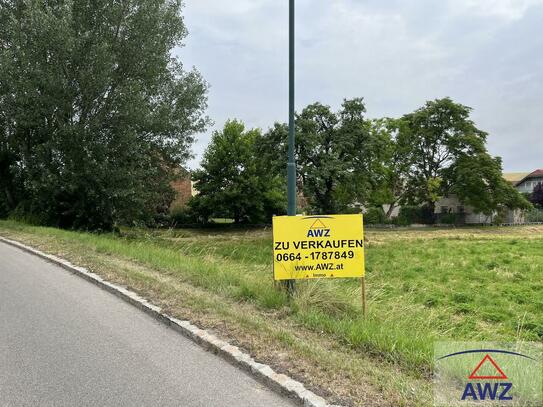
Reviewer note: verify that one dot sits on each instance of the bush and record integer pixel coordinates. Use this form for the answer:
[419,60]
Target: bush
[536,197]
[500,217]
[447,218]
[180,215]
[24,214]
[415,214]
[452,218]
[375,216]
[4,211]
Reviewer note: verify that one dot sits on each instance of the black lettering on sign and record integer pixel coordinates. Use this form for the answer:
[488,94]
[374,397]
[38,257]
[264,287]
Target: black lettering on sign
[282,245]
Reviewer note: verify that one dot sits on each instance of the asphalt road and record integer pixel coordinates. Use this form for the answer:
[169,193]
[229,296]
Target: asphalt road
[66,342]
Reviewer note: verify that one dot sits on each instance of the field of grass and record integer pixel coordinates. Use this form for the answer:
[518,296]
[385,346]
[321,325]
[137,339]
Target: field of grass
[423,286]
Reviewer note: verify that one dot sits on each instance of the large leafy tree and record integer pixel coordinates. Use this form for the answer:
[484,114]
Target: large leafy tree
[233,181]
[447,154]
[338,155]
[395,167]
[94,110]
[478,182]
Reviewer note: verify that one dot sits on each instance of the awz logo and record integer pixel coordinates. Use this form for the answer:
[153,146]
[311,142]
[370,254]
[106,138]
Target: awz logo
[487,391]
[483,374]
[318,229]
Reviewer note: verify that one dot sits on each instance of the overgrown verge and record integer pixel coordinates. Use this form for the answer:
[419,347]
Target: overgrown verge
[422,287]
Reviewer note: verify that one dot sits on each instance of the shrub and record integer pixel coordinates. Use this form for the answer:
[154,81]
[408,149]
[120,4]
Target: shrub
[375,216]
[451,218]
[22,213]
[536,197]
[4,211]
[448,218]
[415,214]
[501,217]
[180,215]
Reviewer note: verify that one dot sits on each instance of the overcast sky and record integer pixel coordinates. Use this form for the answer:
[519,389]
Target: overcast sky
[487,54]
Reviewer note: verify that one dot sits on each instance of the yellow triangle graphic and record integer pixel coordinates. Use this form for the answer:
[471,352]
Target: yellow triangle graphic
[318,225]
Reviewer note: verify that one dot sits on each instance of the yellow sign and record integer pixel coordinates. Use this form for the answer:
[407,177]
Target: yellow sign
[318,247]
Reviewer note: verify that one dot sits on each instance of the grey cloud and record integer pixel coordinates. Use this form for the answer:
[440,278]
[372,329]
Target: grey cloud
[396,54]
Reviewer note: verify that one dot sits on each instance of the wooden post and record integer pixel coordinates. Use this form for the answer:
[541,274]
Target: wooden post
[363,286]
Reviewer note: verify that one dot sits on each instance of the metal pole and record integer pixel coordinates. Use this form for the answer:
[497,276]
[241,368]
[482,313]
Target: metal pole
[291,166]
[291,169]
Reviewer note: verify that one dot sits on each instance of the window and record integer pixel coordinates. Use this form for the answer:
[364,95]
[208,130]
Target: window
[444,209]
[460,209]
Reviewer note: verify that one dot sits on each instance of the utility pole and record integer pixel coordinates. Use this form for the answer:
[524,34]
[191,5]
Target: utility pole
[291,166]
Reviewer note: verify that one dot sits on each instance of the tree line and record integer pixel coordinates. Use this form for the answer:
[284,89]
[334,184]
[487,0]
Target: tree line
[346,161]
[97,118]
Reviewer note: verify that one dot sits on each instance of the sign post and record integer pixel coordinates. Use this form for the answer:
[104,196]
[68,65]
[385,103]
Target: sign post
[363,287]
[312,247]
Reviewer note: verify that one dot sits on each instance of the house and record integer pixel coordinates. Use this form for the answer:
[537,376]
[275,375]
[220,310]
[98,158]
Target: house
[525,182]
[184,189]
[464,214]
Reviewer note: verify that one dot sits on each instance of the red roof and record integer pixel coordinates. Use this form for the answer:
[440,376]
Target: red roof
[536,173]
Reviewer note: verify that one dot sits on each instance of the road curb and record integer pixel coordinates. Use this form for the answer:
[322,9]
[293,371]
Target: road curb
[279,383]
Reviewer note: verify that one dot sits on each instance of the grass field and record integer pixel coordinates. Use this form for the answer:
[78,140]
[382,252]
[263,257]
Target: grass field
[423,285]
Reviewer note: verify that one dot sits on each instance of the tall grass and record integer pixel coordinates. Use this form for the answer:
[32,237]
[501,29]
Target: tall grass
[422,286]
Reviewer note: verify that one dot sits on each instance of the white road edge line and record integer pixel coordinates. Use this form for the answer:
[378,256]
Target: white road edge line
[278,383]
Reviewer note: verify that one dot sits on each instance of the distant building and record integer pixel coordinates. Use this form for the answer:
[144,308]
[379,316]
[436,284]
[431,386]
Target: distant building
[184,189]
[525,182]
[465,214]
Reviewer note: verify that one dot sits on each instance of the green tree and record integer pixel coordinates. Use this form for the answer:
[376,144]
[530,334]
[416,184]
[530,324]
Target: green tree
[395,167]
[338,155]
[478,182]
[94,110]
[447,154]
[233,181]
